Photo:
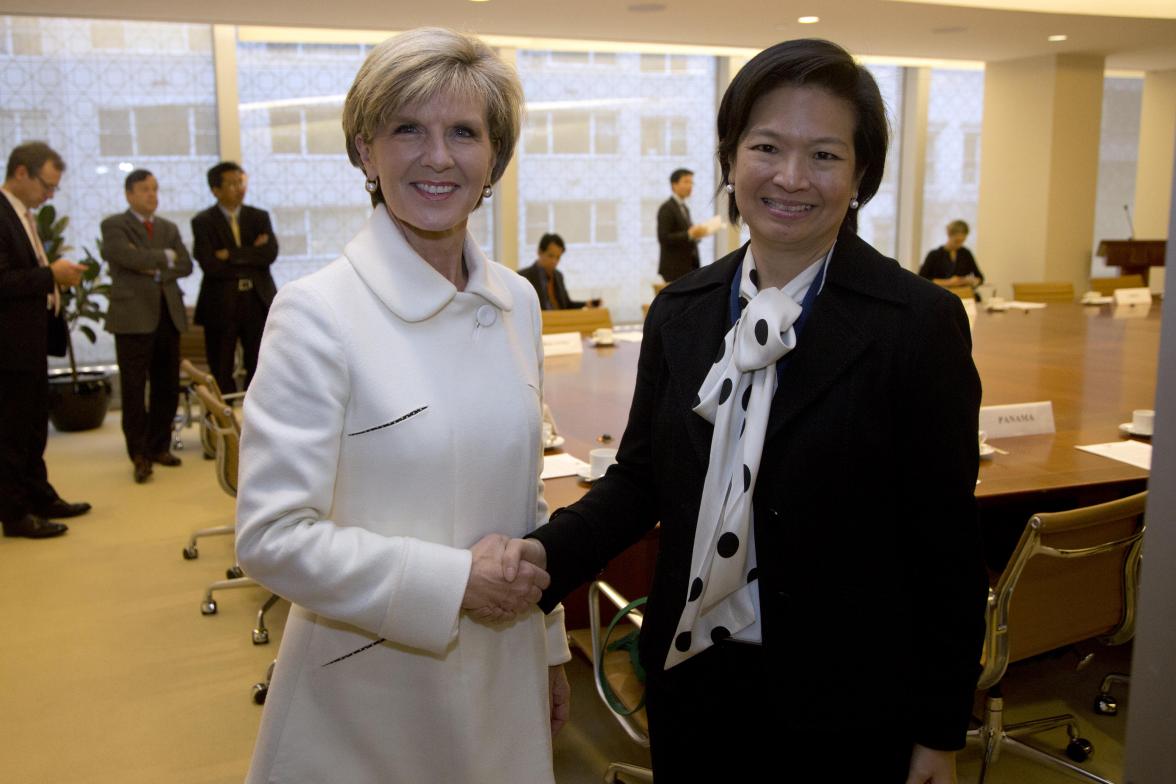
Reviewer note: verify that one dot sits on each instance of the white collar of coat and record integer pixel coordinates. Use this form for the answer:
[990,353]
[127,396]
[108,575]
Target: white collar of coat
[405,282]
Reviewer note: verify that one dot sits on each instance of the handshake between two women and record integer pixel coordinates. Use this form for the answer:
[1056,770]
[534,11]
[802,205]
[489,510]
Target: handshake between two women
[507,576]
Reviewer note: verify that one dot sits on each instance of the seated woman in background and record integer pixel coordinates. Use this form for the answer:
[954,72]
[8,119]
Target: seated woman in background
[393,425]
[547,280]
[817,606]
[952,264]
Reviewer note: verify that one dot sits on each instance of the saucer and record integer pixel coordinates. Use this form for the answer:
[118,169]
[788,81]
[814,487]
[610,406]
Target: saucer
[987,451]
[601,343]
[554,443]
[585,476]
[1128,429]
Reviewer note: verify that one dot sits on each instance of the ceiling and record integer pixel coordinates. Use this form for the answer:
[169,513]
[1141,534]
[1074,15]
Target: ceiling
[886,28]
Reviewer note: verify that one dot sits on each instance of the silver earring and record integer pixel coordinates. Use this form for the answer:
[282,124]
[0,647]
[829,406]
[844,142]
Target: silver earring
[487,192]
[371,186]
[854,203]
[729,187]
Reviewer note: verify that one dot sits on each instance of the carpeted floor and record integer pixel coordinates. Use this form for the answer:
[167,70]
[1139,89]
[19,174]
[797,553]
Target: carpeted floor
[109,672]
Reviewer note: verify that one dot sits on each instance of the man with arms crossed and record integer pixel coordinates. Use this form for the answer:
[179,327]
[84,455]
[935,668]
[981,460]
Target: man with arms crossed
[146,315]
[235,246]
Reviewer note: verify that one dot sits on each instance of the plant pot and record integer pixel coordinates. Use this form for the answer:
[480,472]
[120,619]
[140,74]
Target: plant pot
[80,406]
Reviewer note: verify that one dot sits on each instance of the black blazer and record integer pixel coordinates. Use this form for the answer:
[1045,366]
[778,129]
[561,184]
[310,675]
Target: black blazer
[28,330]
[538,278]
[871,578]
[678,253]
[210,233]
[938,264]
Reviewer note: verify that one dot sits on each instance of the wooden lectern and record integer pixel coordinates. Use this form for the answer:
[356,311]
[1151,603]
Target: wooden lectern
[1133,257]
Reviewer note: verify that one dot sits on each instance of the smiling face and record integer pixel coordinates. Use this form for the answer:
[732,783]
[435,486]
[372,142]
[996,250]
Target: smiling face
[795,172]
[432,161]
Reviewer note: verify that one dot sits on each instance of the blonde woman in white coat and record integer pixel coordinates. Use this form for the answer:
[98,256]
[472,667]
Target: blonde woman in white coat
[392,426]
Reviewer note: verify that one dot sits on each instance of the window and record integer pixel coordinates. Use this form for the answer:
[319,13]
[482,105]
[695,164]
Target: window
[307,130]
[663,136]
[951,182]
[571,132]
[157,131]
[578,222]
[22,125]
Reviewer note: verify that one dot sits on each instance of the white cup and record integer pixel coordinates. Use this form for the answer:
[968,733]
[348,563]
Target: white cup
[982,438]
[603,336]
[1143,420]
[548,433]
[599,460]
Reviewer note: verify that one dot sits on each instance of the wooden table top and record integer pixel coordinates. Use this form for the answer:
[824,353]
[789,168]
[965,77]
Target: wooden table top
[1094,367]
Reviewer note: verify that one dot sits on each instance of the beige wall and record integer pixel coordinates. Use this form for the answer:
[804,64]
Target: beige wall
[1157,148]
[1039,169]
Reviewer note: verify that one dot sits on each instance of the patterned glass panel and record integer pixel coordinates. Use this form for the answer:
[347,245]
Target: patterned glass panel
[878,220]
[1118,156]
[649,114]
[951,182]
[134,91]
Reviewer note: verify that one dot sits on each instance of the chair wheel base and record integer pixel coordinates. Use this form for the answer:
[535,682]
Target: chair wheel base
[208,607]
[233,572]
[1079,749]
[261,637]
[1106,705]
[191,553]
[260,691]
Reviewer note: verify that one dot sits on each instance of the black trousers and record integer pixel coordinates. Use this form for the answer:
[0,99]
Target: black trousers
[721,716]
[154,357]
[243,320]
[24,429]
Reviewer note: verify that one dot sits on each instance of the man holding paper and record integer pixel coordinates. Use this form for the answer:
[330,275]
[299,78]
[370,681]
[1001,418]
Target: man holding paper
[677,234]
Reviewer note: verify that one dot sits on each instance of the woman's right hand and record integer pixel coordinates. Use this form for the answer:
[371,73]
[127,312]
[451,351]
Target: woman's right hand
[506,578]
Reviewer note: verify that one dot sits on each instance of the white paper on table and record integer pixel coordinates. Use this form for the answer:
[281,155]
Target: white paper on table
[630,336]
[562,464]
[1015,305]
[712,224]
[562,343]
[1134,453]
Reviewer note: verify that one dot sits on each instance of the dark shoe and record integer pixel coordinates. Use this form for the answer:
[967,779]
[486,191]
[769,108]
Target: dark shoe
[34,527]
[142,470]
[60,508]
[167,459]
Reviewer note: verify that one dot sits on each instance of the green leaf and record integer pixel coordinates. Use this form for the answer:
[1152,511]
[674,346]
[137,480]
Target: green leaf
[89,333]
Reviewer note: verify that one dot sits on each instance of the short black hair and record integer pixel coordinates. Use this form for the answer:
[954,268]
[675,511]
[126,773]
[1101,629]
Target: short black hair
[678,174]
[217,173]
[32,156]
[547,240]
[138,175]
[809,62]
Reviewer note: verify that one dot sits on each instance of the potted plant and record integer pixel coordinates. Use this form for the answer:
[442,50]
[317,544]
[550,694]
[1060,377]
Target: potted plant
[78,399]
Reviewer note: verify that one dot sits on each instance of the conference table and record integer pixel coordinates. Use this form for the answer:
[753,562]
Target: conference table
[1095,364]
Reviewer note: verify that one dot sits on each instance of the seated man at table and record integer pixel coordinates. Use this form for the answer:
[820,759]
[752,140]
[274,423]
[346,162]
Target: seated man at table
[547,280]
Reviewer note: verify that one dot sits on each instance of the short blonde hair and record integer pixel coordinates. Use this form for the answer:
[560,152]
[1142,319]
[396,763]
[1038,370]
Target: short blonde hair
[421,64]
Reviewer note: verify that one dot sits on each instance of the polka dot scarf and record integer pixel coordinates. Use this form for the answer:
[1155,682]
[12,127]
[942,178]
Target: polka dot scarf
[736,397]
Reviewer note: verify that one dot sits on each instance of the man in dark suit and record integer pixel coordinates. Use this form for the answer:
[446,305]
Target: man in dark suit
[235,246]
[677,235]
[31,327]
[547,280]
[146,258]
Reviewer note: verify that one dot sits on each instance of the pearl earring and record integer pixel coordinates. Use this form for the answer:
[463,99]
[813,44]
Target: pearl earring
[371,186]
[729,187]
[854,203]
[487,192]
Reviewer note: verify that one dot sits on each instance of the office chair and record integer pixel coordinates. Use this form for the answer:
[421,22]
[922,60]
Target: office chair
[616,682]
[1074,576]
[1045,291]
[584,320]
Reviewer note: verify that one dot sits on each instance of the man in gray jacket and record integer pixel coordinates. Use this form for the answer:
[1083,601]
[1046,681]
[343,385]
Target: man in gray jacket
[146,315]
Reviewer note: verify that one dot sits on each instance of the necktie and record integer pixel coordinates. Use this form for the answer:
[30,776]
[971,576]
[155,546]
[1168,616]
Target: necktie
[150,226]
[686,212]
[236,228]
[54,299]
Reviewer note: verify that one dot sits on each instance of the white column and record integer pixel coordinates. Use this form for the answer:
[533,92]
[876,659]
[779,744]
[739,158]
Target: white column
[228,116]
[912,157]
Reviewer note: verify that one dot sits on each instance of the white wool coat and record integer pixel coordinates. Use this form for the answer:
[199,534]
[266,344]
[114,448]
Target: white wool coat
[392,422]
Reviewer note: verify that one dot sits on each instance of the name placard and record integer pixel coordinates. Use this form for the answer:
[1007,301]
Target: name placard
[562,343]
[1139,296]
[1017,419]
[1131,311]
